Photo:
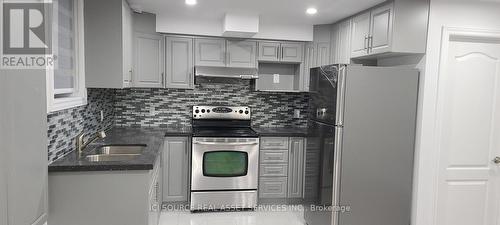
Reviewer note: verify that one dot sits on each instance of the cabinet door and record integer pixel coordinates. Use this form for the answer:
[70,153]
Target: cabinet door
[148,61]
[360,33]
[210,52]
[176,169]
[309,62]
[269,51]
[381,29]
[296,168]
[323,54]
[127,45]
[292,52]
[272,187]
[241,54]
[179,67]
[344,42]
[334,47]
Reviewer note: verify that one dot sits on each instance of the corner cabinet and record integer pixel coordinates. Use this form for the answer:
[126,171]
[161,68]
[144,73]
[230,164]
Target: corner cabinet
[219,52]
[176,155]
[281,169]
[394,28]
[341,42]
[179,62]
[148,61]
[108,25]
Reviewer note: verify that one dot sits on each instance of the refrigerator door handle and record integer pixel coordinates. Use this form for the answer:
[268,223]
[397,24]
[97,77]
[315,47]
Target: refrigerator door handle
[341,86]
[337,165]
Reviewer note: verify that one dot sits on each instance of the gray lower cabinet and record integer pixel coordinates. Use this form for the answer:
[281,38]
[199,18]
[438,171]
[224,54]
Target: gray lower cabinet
[125,197]
[281,170]
[148,61]
[176,154]
[210,52]
[179,62]
[296,168]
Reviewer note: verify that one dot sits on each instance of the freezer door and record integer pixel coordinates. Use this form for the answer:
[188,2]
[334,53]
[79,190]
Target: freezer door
[378,145]
[324,85]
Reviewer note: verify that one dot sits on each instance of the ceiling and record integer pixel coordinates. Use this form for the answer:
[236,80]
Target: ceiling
[270,11]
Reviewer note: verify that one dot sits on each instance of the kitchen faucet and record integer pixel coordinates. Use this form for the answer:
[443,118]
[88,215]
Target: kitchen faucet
[80,145]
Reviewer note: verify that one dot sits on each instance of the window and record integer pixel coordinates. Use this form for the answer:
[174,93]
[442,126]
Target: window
[66,80]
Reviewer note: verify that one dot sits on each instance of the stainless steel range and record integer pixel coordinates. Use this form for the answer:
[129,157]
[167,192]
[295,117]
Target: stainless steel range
[224,166]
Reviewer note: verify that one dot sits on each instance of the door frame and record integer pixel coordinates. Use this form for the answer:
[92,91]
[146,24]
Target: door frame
[427,169]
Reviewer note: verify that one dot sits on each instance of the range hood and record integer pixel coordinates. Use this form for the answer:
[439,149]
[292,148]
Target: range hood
[226,72]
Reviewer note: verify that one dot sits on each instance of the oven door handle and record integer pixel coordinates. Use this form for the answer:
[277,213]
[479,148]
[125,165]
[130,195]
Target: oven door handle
[225,143]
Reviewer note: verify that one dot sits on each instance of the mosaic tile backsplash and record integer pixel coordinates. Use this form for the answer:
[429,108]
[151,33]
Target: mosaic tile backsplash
[163,107]
[65,125]
[169,107]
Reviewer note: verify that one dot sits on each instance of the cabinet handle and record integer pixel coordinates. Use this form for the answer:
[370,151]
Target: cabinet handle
[371,43]
[162,78]
[366,43]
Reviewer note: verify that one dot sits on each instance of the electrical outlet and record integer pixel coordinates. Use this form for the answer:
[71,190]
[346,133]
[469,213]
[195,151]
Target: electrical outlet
[296,114]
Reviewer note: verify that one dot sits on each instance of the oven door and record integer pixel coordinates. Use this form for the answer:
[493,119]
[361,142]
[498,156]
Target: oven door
[224,164]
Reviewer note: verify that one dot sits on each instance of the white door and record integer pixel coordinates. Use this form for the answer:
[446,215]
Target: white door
[381,29]
[469,131]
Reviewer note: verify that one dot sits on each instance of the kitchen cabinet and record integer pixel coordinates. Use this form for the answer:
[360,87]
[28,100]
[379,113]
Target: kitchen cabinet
[179,62]
[210,52]
[218,52]
[360,34]
[176,155]
[287,52]
[341,42]
[281,173]
[108,25]
[309,62]
[394,28]
[241,54]
[148,61]
[296,168]
[279,77]
[106,197]
[322,54]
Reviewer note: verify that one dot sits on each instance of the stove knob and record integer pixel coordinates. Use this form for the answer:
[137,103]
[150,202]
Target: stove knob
[208,110]
[241,111]
[197,111]
[246,112]
[203,110]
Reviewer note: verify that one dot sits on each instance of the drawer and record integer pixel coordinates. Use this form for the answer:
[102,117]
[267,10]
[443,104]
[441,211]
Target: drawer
[274,156]
[273,170]
[274,143]
[273,187]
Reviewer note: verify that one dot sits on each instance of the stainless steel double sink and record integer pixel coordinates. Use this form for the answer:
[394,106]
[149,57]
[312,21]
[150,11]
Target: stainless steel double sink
[107,153]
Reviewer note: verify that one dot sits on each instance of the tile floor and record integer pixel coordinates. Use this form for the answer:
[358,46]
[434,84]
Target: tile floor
[261,217]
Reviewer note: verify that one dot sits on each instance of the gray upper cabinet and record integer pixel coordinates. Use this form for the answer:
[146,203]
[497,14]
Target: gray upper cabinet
[296,167]
[241,54]
[148,61]
[292,52]
[395,28]
[309,62]
[323,54]
[176,154]
[288,52]
[341,42]
[210,52]
[179,62]
[381,29]
[360,34]
[108,25]
[269,51]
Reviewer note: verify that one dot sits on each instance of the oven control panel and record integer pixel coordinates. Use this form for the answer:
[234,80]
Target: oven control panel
[221,112]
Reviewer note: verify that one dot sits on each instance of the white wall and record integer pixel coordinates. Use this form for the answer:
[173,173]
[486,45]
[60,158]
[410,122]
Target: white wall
[450,13]
[267,30]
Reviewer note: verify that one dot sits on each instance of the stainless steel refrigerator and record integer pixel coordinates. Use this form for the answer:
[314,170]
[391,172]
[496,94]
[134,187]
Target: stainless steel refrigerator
[360,148]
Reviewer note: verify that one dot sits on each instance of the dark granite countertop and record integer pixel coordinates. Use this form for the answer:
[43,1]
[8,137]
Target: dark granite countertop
[281,131]
[151,137]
